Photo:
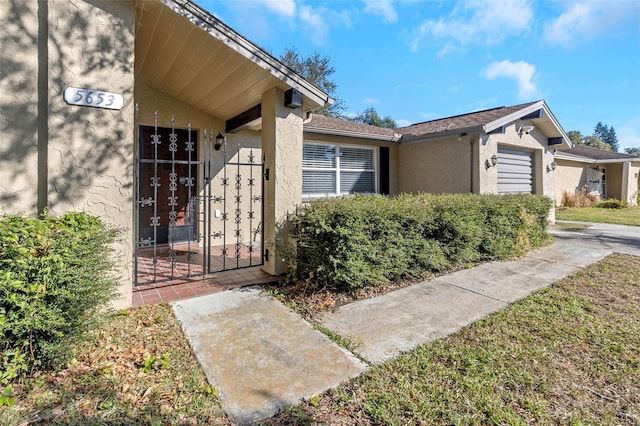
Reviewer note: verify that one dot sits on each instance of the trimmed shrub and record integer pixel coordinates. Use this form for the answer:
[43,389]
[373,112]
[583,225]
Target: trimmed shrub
[55,276]
[353,242]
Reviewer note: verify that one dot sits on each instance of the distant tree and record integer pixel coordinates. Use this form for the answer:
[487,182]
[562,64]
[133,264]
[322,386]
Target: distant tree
[370,116]
[595,142]
[633,151]
[317,71]
[607,135]
[590,141]
[575,136]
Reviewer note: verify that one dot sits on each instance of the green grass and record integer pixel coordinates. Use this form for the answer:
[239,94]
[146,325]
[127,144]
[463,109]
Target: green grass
[569,354]
[625,216]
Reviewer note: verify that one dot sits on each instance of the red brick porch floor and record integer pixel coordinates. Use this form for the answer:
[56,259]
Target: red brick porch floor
[171,291]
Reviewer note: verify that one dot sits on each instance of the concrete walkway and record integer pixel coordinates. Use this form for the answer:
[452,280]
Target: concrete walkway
[263,357]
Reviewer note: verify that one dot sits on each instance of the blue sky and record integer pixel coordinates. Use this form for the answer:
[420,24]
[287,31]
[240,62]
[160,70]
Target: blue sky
[421,60]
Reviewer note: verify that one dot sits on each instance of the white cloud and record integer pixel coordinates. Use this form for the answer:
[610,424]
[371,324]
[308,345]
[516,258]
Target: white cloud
[370,101]
[318,26]
[520,71]
[588,19]
[281,7]
[476,21]
[382,8]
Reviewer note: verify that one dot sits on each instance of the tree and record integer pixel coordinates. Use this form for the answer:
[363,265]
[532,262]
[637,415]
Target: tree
[590,141]
[575,136]
[317,71]
[607,135]
[370,116]
[595,142]
[633,151]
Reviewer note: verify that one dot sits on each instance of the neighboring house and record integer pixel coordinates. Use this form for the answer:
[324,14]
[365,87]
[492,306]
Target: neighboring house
[196,143]
[500,150]
[604,174]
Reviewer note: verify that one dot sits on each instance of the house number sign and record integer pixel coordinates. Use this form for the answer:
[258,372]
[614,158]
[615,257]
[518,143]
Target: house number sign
[93,98]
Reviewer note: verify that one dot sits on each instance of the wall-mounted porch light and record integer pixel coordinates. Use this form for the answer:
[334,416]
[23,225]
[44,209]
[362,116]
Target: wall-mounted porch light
[491,162]
[551,166]
[219,142]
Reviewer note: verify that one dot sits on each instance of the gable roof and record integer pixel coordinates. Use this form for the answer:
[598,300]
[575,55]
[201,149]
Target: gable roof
[322,124]
[461,122]
[587,154]
[186,52]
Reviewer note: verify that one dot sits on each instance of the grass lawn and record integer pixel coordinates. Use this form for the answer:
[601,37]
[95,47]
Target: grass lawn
[626,216]
[569,354]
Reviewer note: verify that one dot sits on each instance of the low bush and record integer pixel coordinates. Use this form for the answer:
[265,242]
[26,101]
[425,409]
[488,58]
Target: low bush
[349,243]
[581,198]
[612,203]
[55,276]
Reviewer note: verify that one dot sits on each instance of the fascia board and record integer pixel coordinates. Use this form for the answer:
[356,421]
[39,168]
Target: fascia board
[351,134]
[204,20]
[503,121]
[411,139]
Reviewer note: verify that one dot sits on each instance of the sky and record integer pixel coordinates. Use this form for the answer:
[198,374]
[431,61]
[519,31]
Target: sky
[421,60]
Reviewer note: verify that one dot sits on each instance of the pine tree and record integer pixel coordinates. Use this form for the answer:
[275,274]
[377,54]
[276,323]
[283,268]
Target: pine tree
[607,135]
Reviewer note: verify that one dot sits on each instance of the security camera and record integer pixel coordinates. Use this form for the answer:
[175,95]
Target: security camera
[528,129]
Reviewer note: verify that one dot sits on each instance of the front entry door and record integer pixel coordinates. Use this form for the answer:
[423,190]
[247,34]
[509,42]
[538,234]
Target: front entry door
[167,179]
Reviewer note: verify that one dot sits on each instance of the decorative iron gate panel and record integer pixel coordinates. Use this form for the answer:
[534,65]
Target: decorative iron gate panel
[198,205]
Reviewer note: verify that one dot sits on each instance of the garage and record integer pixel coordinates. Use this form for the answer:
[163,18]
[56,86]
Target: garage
[515,171]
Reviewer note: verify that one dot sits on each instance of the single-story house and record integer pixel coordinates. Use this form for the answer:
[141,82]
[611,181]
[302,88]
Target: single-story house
[604,174]
[166,123]
[499,150]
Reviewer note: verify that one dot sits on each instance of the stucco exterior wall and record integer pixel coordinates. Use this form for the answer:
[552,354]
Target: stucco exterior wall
[439,166]
[614,180]
[343,140]
[282,138]
[632,182]
[72,158]
[19,106]
[535,142]
[569,177]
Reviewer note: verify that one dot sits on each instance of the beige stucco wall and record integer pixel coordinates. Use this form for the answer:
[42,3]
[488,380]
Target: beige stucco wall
[569,177]
[19,107]
[614,180]
[535,142]
[438,166]
[282,138]
[344,140]
[84,160]
[630,184]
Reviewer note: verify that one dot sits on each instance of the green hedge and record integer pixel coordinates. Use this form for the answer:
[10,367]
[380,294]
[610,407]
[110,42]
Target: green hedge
[55,275]
[349,243]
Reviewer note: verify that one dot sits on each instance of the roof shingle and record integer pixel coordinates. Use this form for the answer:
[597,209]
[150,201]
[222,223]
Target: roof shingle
[332,123]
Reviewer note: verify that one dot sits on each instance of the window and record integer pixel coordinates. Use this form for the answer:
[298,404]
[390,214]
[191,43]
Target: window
[337,170]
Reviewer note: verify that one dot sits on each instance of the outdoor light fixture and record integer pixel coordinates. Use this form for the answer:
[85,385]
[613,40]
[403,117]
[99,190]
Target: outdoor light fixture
[219,142]
[491,162]
[525,130]
[551,166]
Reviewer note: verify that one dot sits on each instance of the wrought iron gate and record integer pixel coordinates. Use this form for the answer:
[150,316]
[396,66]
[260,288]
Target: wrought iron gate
[198,207]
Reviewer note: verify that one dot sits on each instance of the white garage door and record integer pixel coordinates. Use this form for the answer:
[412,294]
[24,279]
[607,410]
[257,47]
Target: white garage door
[515,171]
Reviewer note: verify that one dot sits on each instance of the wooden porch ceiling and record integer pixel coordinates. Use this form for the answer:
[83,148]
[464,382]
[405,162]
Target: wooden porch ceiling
[183,60]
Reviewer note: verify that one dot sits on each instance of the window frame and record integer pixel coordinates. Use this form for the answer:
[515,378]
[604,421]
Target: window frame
[337,169]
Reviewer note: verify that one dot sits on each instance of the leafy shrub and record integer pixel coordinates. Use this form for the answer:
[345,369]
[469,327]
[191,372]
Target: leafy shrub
[612,203]
[348,243]
[55,276]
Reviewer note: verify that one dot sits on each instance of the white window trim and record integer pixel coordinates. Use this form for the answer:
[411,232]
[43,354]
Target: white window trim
[337,169]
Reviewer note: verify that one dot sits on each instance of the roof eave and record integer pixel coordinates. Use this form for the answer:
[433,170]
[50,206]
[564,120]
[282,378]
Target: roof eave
[351,134]
[409,138]
[204,20]
[503,121]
